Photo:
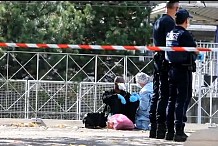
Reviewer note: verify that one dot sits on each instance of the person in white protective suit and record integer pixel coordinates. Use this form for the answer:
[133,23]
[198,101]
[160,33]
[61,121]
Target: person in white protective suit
[144,81]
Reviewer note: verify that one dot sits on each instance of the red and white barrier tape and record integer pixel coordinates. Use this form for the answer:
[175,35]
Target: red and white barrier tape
[105,47]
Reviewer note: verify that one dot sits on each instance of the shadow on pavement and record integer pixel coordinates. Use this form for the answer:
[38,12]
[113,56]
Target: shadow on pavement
[91,141]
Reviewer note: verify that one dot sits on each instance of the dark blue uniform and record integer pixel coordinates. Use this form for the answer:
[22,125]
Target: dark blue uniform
[182,64]
[160,82]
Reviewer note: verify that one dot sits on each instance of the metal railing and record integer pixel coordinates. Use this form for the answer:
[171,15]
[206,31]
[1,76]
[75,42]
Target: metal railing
[79,85]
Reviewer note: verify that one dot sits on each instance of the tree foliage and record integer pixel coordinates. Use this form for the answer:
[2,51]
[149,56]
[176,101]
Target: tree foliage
[64,22]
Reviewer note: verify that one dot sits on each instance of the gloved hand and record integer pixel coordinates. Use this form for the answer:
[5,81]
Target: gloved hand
[134,97]
[200,57]
[123,100]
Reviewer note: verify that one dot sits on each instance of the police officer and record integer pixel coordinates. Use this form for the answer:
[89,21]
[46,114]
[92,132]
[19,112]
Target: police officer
[181,68]
[160,82]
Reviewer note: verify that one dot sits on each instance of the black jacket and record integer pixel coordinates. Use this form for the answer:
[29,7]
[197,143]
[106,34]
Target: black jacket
[180,37]
[114,105]
[160,29]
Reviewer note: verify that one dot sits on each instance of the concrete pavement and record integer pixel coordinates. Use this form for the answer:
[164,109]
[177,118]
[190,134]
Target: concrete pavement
[17,132]
[204,137]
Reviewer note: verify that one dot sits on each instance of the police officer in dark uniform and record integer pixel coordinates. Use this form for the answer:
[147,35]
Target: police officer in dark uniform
[182,64]
[160,82]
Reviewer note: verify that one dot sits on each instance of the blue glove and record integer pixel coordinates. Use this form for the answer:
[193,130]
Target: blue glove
[123,100]
[200,57]
[134,97]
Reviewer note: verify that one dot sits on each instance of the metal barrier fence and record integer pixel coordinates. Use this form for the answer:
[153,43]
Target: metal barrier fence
[205,97]
[71,100]
[29,93]
[13,98]
[52,99]
[69,97]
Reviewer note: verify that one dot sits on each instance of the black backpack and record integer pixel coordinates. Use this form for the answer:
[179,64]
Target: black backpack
[95,120]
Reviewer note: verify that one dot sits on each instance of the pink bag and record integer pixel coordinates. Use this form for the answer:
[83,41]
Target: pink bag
[120,122]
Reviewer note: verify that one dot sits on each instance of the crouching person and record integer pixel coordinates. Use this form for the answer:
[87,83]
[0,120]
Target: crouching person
[142,114]
[118,101]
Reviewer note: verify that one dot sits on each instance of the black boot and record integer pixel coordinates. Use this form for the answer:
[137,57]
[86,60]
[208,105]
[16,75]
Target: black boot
[183,129]
[169,136]
[153,131]
[179,135]
[170,133]
[161,131]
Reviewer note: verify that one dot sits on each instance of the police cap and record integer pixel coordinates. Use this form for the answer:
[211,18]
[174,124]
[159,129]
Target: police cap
[182,15]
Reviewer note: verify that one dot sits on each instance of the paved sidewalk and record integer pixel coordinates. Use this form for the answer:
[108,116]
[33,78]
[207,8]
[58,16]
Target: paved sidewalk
[205,137]
[21,132]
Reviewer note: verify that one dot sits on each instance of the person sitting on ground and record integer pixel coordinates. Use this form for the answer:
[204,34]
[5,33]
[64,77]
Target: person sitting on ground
[142,114]
[118,101]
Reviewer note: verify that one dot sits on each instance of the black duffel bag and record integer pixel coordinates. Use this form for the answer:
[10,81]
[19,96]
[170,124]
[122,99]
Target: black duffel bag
[95,120]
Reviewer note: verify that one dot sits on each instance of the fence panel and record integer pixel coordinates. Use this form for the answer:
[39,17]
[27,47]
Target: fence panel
[12,98]
[52,99]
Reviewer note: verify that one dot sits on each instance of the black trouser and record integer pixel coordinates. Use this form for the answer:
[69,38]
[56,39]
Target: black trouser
[160,89]
[179,90]
[188,100]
